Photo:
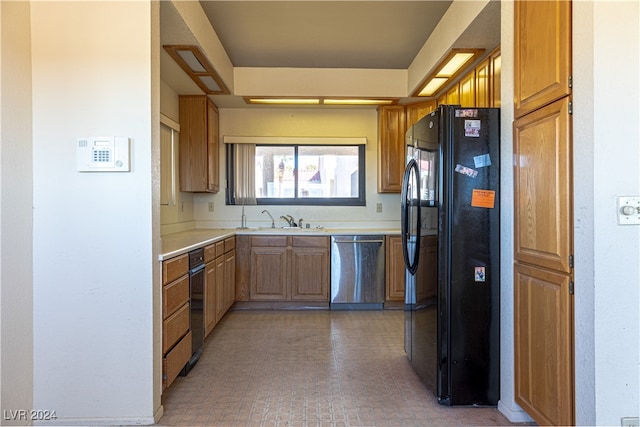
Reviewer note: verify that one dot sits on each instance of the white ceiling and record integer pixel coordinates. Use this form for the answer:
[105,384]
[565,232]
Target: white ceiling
[319,34]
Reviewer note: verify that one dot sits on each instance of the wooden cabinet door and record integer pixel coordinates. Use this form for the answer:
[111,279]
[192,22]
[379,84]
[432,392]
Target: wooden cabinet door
[213,151]
[243,267]
[467,88]
[543,218]
[483,84]
[220,285]
[542,53]
[229,279]
[198,148]
[453,95]
[269,278]
[192,147]
[544,345]
[391,147]
[310,273]
[394,289]
[210,297]
[542,183]
[417,111]
[496,75]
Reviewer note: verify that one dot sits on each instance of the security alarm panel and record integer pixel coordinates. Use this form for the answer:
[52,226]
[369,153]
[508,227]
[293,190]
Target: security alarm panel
[103,154]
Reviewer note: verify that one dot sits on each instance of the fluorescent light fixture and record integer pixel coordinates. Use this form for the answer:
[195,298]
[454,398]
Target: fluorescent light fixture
[454,64]
[335,101]
[433,86]
[283,101]
[447,70]
[319,101]
[197,66]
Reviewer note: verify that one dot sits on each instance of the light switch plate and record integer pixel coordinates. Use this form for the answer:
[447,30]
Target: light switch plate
[629,210]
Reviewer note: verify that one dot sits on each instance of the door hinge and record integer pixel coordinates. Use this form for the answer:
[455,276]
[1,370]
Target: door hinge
[570,81]
[570,107]
[570,261]
[571,288]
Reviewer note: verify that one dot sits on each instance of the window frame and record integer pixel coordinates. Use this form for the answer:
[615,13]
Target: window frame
[301,201]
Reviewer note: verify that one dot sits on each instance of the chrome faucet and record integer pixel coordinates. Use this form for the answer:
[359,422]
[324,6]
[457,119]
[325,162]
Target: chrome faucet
[290,220]
[273,223]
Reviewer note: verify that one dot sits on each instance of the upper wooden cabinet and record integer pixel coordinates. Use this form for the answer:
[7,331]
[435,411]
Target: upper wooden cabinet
[542,53]
[391,161]
[418,110]
[483,84]
[453,95]
[467,90]
[496,74]
[199,153]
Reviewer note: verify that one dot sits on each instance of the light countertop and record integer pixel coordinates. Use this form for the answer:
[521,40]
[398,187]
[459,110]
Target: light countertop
[175,244]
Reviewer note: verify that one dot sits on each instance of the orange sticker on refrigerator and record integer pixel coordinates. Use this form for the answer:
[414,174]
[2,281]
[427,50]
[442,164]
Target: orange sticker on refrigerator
[483,199]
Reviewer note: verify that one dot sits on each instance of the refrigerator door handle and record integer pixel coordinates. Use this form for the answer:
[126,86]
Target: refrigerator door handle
[405,203]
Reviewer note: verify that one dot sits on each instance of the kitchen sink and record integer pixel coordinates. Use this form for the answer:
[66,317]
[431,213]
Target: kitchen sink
[279,230]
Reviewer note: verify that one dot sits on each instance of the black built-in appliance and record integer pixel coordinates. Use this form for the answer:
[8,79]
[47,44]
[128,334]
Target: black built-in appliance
[450,195]
[196,306]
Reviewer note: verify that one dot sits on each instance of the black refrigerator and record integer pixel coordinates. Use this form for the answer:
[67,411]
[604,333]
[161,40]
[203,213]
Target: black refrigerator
[450,240]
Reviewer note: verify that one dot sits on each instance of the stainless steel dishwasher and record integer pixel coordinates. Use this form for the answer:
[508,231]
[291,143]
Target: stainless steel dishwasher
[357,272]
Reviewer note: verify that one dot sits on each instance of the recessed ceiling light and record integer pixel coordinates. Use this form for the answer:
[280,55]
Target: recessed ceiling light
[195,64]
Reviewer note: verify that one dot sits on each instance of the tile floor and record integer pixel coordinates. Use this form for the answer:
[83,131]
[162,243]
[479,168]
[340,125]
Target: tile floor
[309,368]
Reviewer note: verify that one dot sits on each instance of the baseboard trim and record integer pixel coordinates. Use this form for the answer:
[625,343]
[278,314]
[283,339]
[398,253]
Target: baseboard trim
[126,421]
[514,415]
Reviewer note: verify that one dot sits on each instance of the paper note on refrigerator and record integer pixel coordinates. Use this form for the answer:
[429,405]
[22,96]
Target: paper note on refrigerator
[482,161]
[483,199]
[466,171]
[472,128]
[480,275]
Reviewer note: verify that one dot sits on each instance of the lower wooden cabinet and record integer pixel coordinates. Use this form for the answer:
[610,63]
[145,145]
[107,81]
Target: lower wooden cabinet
[269,269]
[394,280]
[428,267]
[175,359]
[220,283]
[284,268]
[310,269]
[176,334]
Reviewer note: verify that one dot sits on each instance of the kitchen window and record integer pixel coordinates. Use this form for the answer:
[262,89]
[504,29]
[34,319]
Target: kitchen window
[296,174]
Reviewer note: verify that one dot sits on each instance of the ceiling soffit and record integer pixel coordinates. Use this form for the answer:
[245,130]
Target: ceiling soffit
[393,75]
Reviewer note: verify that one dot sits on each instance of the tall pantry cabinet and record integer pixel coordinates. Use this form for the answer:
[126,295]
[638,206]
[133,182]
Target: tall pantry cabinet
[543,212]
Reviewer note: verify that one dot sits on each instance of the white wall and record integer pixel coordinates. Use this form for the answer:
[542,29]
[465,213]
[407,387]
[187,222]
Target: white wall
[606,155]
[96,358]
[179,216]
[507,403]
[16,183]
[303,122]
